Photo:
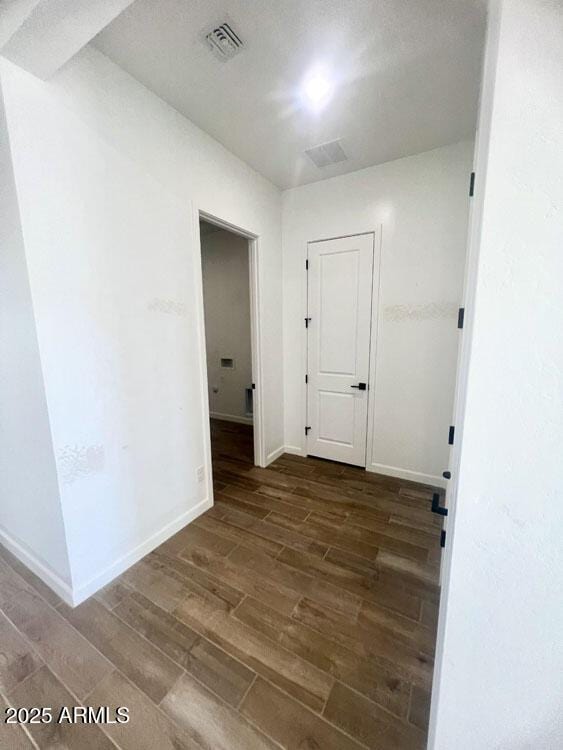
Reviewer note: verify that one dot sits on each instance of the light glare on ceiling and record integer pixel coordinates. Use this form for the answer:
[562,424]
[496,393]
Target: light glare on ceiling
[317,90]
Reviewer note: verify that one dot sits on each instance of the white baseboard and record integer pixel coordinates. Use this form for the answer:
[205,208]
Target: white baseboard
[295,450]
[27,558]
[271,457]
[231,418]
[411,476]
[130,558]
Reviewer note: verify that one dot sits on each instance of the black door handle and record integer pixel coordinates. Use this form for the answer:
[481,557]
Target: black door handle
[360,386]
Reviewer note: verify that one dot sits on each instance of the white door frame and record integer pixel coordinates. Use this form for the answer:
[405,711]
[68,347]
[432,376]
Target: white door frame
[377,233]
[374,338]
[255,328]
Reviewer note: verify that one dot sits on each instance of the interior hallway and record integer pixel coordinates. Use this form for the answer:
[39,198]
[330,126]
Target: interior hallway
[299,611]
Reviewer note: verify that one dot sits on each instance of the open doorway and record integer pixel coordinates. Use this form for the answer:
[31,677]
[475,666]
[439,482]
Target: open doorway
[230,295]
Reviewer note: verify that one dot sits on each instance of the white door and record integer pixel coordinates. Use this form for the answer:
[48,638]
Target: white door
[338,340]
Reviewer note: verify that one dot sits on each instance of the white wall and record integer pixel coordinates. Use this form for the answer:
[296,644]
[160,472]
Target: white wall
[31,521]
[500,657]
[109,179]
[419,207]
[226,296]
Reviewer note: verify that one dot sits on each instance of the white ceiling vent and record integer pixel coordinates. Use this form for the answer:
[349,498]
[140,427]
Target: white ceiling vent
[224,42]
[326,153]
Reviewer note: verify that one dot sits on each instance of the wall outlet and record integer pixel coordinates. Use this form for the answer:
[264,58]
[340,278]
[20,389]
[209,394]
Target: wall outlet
[200,473]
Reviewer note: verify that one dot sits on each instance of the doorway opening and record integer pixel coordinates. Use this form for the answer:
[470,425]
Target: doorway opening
[229,266]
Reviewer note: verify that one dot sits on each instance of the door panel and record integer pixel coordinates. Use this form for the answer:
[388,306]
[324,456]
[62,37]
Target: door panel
[338,341]
[338,284]
[336,417]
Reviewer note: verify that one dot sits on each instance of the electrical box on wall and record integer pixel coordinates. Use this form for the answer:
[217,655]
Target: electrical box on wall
[228,363]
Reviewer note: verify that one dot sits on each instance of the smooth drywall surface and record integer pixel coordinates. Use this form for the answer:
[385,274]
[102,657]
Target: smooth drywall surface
[418,208]
[226,296]
[31,521]
[109,180]
[500,657]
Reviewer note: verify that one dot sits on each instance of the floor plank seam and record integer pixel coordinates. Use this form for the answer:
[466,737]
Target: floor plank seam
[28,676]
[274,685]
[247,691]
[60,614]
[157,706]
[24,727]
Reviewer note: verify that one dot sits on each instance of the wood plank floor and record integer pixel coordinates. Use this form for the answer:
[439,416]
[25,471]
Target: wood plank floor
[299,612]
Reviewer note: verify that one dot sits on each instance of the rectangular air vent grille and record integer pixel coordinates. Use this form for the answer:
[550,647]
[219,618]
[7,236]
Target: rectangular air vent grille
[326,153]
[224,42]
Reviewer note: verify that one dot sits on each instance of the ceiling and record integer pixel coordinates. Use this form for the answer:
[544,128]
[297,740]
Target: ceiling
[405,75]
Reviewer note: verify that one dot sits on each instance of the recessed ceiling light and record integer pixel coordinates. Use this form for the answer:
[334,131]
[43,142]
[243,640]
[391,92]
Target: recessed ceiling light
[316,90]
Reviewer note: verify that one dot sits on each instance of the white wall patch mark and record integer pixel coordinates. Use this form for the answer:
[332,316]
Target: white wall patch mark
[76,462]
[430,311]
[167,306]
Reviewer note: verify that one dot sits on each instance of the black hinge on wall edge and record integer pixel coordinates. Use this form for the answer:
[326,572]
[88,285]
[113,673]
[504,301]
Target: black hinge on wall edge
[307,430]
[306,378]
[253,386]
[460,317]
[306,265]
[451,435]
[443,538]
[307,321]
[436,507]
[472,185]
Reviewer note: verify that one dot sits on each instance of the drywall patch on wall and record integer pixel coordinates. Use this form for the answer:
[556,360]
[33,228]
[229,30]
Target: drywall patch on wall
[167,306]
[76,462]
[430,311]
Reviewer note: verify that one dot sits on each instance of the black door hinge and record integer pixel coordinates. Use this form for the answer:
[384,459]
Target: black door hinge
[253,386]
[436,507]
[307,321]
[443,538]
[306,265]
[306,378]
[460,317]
[472,185]
[451,435]
[307,430]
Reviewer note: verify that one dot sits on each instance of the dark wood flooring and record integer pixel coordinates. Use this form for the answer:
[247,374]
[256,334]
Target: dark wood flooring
[299,612]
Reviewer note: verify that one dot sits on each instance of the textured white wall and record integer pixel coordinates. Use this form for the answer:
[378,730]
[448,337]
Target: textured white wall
[420,204]
[109,179]
[498,680]
[31,521]
[226,296]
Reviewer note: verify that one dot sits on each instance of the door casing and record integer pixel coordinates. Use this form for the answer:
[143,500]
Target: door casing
[255,334]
